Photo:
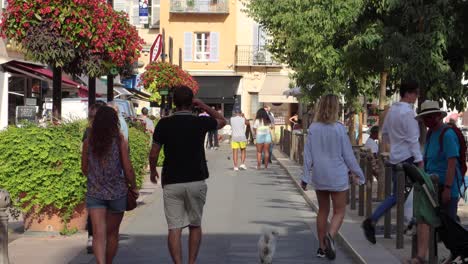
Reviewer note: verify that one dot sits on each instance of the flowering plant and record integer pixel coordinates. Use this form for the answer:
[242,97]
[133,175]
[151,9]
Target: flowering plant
[78,35]
[160,75]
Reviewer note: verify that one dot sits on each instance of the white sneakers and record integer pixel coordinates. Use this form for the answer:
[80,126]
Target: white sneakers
[242,167]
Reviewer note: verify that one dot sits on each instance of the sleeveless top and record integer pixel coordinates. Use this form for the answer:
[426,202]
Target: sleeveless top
[106,179]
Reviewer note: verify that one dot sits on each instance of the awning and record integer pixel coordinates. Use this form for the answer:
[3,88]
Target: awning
[41,71]
[217,89]
[273,90]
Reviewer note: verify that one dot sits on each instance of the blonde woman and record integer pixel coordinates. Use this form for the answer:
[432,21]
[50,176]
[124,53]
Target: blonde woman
[328,157]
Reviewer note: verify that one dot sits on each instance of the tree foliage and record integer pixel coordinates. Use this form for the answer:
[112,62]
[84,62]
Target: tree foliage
[343,46]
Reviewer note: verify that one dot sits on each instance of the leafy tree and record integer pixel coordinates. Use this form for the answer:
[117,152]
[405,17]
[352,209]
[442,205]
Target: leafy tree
[339,45]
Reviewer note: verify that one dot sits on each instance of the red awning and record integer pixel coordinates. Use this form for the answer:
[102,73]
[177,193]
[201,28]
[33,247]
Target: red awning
[44,72]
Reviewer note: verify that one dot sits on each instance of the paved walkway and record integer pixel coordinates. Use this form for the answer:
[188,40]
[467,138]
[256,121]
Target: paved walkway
[239,204]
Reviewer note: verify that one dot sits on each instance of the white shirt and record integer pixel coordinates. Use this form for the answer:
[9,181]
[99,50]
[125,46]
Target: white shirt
[148,123]
[238,129]
[261,128]
[401,130]
[372,145]
[329,154]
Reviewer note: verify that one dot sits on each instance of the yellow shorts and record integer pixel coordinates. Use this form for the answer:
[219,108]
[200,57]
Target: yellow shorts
[238,145]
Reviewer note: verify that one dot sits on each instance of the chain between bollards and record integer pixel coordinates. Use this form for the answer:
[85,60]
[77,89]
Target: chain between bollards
[4,203]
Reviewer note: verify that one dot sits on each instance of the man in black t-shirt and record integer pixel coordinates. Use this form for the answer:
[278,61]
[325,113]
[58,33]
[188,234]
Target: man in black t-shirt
[184,170]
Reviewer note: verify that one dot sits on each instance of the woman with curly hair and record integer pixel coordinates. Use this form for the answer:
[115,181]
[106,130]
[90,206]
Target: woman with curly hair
[106,163]
[329,155]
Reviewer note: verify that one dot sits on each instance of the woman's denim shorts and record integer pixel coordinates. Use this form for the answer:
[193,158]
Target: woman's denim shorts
[264,139]
[114,206]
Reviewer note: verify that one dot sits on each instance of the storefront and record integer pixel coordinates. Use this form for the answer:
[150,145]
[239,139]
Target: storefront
[220,92]
[27,83]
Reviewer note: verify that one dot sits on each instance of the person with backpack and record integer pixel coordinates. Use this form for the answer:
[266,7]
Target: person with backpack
[444,155]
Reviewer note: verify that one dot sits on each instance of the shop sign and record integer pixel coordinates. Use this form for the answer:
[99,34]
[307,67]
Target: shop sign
[143,12]
[156,48]
[26,113]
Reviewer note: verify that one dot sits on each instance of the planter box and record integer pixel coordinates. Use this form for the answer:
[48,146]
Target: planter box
[48,220]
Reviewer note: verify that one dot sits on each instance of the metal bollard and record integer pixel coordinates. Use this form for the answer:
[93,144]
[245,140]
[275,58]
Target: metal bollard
[4,203]
[433,252]
[381,195]
[281,138]
[369,181]
[352,192]
[388,192]
[363,163]
[400,203]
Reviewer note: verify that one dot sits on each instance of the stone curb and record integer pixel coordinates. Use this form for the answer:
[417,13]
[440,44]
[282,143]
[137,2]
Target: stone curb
[357,255]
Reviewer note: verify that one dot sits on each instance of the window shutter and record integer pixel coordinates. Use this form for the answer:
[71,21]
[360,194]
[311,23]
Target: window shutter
[214,46]
[255,34]
[188,42]
[155,13]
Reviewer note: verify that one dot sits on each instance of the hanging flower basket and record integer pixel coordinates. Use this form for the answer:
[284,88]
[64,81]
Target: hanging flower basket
[76,35]
[163,75]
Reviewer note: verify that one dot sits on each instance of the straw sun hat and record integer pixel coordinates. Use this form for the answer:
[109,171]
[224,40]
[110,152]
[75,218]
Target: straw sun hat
[430,107]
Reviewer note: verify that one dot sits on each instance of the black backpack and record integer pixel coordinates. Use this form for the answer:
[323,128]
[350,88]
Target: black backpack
[461,156]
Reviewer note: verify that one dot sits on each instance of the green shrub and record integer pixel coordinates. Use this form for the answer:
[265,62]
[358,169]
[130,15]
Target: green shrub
[42,166]
[139,149]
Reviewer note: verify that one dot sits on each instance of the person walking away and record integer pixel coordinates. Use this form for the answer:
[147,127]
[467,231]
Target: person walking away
[213,135]
[91,114]
[401,131]
[149,124]
[442,158]
[272,126]
[106,163]
[207,137]
[263,136]
[329,154]
[184,170]
[238,139]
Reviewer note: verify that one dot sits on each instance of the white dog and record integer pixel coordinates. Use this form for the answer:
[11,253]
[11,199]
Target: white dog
[267,245]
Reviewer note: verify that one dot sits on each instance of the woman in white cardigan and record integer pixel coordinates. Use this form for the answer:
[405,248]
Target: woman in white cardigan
[328,158]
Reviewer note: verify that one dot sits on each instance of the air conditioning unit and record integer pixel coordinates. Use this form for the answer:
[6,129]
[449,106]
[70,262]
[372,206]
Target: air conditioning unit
[259,57]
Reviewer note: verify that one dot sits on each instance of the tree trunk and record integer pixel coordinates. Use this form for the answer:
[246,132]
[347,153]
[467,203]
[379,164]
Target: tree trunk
[91,91]
[382,147]
[57,93]
[352,127]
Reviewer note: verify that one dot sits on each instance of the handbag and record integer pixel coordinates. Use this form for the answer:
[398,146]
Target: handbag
[132,195]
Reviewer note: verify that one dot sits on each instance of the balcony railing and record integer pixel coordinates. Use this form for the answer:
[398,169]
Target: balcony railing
[200,6]
[254,56]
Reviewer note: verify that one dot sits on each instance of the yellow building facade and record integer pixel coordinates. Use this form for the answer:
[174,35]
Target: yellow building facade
[224,49]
